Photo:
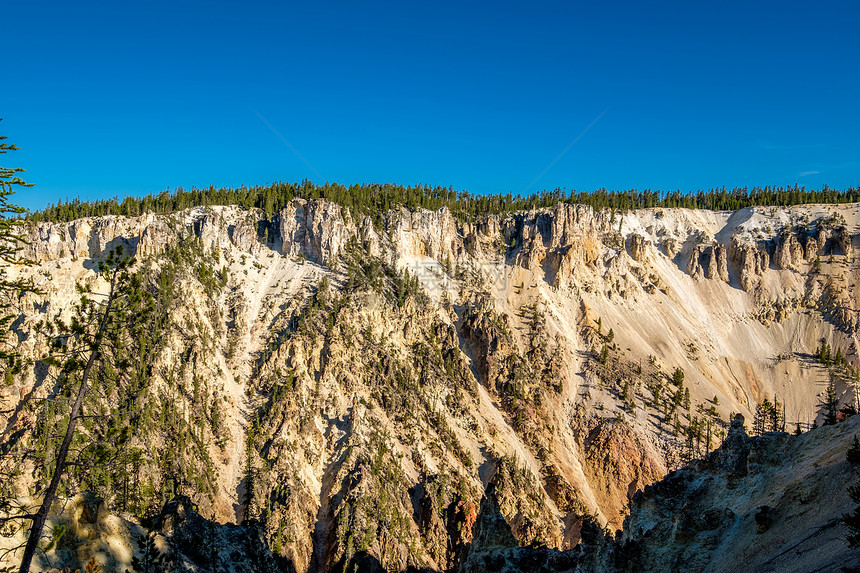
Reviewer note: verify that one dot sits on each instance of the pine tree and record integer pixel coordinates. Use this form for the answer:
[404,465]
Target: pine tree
[830,404]
[11,241]
[776,420]
[604,354]
[92,355]
[852,520]
[823,354]
[151,560]
[763,417]
[250,481]
[853,453]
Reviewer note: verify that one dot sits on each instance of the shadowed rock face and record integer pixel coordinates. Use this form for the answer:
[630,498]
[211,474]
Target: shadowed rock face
[733,456]
[177,539]
[743,507]
[198,544]
[494,547]
[749,505]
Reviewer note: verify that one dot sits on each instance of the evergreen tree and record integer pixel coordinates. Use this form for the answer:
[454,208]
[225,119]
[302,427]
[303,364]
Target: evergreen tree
[852,520]
[830,404]
[95,353]
[763,417]
[250,481]
[11,241]
[853,453]
[839,359]
[151,560]
[375,200]
[823,354]
[776,417]
[604,354]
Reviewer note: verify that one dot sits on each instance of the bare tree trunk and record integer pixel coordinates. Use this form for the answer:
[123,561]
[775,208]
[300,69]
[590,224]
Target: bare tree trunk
[42,515]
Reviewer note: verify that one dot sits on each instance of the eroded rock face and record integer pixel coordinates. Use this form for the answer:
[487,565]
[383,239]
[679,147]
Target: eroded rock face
[316,229]
[724,502]
[82,530]
[789,253]
[177,539]
[732,510]
[84,238]
[751,261]
[429,233]
[491,531]
[735,510]
[616,462]
[211,229]
[494,547]
[671,246]
[154,236]
[709,261]
[636,247]
[572,231]
[244,234]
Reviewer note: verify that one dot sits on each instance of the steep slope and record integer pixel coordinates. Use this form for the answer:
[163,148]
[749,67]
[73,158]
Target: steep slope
[764,503]
[377,377]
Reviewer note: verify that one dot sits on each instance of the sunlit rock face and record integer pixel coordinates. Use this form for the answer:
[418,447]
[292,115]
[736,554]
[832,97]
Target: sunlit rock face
[389,368]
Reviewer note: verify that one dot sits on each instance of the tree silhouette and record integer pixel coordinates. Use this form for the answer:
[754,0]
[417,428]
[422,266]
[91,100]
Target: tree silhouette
[11,241]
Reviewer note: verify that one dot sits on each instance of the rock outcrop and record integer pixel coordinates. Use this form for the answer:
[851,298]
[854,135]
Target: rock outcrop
[752,262]
[636,245]
[84,533]
[494,547]
[789,253]
[193,543]
[433,234]
[708,261]
[750,505]
[318,230]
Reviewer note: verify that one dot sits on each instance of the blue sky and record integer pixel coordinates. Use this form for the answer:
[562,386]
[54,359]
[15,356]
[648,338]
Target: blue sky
[121,98]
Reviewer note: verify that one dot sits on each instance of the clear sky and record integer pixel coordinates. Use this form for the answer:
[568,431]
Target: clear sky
[116,98]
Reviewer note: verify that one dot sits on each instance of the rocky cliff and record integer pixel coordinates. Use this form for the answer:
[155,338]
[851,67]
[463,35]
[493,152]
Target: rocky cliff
[375,377]
[763,503]
[755,503]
